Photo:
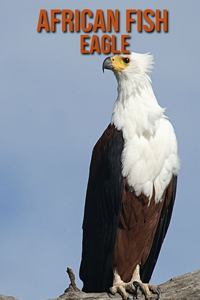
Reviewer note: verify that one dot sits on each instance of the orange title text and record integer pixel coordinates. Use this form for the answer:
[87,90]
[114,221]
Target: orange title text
[88,22]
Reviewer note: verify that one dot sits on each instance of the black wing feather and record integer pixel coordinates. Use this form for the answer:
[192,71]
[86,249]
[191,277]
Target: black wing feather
[102,210]
[147,270]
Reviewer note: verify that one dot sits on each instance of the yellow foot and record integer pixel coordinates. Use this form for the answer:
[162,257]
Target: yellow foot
[123,289]
[147,290]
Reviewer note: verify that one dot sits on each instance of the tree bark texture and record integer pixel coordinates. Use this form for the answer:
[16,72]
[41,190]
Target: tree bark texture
[185,287]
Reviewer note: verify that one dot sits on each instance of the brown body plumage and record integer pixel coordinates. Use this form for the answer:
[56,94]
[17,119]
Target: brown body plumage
[139,220]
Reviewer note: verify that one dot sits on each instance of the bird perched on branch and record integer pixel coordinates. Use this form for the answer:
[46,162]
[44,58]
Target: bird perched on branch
[131,188]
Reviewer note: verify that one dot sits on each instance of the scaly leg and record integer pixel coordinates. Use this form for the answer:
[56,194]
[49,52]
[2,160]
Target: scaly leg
[133,286]
[121,287]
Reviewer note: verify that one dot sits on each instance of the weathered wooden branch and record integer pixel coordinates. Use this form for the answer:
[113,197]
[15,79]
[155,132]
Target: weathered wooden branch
[185,287]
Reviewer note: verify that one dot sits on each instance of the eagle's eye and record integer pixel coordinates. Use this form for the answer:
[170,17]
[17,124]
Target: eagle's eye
[126,60]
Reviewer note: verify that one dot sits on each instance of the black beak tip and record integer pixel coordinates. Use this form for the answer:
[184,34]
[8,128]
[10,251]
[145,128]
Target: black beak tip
[107,64]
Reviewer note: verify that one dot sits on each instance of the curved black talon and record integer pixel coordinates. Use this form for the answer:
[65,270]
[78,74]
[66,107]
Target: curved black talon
[153,289]
[157,291]
[137,287]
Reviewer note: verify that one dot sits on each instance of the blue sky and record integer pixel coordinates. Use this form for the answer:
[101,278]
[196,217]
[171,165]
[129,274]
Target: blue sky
[55,103]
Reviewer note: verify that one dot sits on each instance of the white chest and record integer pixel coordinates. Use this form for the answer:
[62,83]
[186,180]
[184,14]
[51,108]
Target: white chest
[149,158]
[150,161]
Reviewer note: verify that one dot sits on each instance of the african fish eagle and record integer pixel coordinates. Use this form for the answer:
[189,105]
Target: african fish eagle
[131,188]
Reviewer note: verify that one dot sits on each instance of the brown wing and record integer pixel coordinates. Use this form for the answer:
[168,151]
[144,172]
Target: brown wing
[102,210]
[141,231]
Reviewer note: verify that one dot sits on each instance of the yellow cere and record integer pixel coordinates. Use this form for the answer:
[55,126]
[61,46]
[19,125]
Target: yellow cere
[120,62]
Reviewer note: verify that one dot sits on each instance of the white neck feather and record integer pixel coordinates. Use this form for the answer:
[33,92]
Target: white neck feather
[136,107]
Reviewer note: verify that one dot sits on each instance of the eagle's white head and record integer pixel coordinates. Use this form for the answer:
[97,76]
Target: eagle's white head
[132,69]
[136,100]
